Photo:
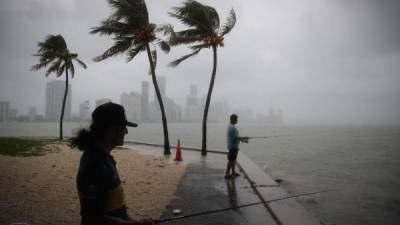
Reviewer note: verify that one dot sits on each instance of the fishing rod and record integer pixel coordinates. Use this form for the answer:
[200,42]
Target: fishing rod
[265,137]
[236,207]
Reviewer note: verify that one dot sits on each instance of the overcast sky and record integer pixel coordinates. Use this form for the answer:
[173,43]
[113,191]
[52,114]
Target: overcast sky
[318,60]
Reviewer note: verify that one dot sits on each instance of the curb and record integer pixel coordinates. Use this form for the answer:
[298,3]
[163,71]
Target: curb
[285,212]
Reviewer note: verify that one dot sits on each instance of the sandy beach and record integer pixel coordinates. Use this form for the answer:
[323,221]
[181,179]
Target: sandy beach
[40,190]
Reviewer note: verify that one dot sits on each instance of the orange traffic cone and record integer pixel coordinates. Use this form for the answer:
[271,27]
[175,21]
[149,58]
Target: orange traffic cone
[178,156]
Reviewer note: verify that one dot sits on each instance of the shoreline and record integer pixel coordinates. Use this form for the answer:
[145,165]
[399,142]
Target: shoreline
[32,189]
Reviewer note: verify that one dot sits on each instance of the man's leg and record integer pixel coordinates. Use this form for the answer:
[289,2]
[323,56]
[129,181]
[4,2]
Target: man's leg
[228,167]
[234,174]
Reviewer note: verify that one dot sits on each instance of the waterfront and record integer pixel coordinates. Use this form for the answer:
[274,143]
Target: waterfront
[360,163]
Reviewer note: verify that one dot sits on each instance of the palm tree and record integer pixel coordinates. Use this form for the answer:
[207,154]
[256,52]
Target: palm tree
[129,25]
[204,32]
[54,51]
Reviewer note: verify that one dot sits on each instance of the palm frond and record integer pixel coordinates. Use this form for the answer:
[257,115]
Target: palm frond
[120,46]
[54,67]
[132,11]
[230,23]
[109,27]
[183,58]
[164,46]
[212,16]
[52,43]
[71,67]
[134,51]
[37,66]
[200,46]
[186,37]
[195,14]
[165,29]
[43,62]
[190,22]
[81,63]
[61,70]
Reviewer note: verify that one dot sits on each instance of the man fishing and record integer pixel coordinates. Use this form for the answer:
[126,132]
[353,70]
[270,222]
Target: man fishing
[233,140]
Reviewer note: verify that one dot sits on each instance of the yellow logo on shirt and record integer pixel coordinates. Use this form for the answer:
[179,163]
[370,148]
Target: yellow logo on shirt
[115,199]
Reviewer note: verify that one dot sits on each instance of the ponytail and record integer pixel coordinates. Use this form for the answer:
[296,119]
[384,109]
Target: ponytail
[83,140]
[86,138]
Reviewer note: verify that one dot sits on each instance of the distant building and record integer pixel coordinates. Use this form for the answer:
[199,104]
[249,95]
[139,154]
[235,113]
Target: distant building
[102,101]
[131,103]
[32,113]
[173,111]
[84,110]
[192,110]
[4,108]
[54,97]
[144,102]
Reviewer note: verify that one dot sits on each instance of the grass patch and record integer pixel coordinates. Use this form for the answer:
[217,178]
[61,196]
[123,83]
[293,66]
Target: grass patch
[25,147]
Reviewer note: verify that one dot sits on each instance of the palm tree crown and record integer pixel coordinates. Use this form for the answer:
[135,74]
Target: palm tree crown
[54,50]
[129,24]
[204,28]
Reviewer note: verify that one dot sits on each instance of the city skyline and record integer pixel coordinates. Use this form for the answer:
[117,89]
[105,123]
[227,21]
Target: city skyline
[137,105]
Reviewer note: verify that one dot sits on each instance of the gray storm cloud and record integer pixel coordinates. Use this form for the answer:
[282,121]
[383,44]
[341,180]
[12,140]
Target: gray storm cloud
[318,60]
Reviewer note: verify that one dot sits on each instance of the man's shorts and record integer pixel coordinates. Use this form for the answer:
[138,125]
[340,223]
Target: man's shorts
[232,154]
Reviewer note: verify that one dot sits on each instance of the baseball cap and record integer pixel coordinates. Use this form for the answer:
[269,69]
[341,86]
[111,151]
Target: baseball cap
[111,114]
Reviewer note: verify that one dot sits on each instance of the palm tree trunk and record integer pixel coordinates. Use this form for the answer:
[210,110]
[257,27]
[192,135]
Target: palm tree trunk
[210,89]
[63,104]
[167,150]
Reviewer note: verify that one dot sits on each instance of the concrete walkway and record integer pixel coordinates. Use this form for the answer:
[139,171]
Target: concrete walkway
[204,188]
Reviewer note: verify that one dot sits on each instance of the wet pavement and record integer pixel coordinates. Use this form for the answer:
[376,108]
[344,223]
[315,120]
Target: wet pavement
[204,188]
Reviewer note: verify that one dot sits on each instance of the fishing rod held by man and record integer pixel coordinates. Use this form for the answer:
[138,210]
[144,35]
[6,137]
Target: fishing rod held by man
[264,137]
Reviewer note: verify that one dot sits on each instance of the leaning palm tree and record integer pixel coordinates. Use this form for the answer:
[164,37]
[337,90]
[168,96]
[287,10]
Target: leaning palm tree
[204,32]
[129,25]
[54,51]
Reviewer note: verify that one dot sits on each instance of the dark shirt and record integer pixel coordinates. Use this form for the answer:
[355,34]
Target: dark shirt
[99,186]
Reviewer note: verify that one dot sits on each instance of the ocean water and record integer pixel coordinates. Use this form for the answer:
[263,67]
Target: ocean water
[360,164]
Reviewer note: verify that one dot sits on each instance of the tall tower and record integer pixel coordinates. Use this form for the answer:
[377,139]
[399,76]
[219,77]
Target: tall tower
[4,108]
[192,112]
[144,102]
[131,103]
[54,96]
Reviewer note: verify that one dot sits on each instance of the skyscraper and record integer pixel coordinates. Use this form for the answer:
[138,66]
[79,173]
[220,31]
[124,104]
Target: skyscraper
[192,111]
[144,102]
[131,103]
[54,96]
[4,107]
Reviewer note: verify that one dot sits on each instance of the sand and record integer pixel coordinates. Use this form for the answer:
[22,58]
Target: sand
[41,190]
